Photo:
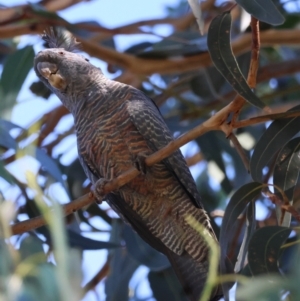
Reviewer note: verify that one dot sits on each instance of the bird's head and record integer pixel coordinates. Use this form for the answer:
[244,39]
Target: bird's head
[65,72]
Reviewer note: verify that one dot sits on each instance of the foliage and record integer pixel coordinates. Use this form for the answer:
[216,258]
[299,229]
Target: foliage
[195,76]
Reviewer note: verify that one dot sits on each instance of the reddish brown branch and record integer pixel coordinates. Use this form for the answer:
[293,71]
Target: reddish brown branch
[240,150]
[102,273]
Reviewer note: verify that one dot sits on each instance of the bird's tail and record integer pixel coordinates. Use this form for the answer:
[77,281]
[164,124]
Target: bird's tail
[192,275]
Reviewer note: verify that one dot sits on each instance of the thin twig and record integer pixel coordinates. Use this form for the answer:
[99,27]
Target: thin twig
[240,150]
[254,63]
[264,118]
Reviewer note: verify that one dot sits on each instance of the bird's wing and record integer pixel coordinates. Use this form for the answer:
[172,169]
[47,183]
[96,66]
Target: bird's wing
[149,122]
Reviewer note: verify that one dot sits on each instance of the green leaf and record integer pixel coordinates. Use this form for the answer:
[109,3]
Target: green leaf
[265,10]
[122,267]
[250,227]
[286,174]
[276,135]
[218,42]
[15,71]
[5,174]
[42,282]
[264,249]
[165,286]
[50,165]
[30,248]
[6,140]
[237,204]
[6,262]
[144,253]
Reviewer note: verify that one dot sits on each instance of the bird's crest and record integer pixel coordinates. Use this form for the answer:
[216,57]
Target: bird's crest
[57,38]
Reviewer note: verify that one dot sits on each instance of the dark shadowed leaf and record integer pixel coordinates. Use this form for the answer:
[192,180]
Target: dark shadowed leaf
[5,174]
[6,140]
[218,41]
[6,262]
[50,165]
[265,10]
[264,249]
[286,174]
[15,70]
[250,227]
[211,147]
[235,207]
[144,253]
[276,135]
[165,286]
[78,241]
[122,267]
[7,125]
[179,43]
[39,89]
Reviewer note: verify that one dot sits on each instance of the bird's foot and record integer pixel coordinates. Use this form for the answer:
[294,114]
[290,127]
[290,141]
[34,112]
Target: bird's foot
[98,189]
[140,163]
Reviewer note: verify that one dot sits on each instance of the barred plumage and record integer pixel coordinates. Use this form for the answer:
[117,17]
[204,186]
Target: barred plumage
[115,123]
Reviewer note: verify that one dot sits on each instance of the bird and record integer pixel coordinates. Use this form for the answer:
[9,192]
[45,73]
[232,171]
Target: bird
[117,127]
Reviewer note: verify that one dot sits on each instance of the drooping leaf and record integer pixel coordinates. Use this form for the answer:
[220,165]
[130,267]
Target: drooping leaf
[235,207]
[6,262]
[265,10]
[196,9]
[276,135]
[165,286]
[144,253]
[6,140]
[210,146]
[250,227]
[122,267]
[218,42]
[179,43]
[263,288]
[264,249]
[50,165]
[5,174]
[286,174]
[78,241]
[15,70]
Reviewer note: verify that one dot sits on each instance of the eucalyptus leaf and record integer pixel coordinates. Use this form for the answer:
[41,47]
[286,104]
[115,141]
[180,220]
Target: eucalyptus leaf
[265,10]
[286,174]
[250,227]
[15,70]
[218,42]
[265,248]
[237,204]
[272,140]
[165,286]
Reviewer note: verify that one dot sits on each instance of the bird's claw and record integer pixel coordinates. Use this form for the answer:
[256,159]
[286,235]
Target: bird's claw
[140,163]
[98,189]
